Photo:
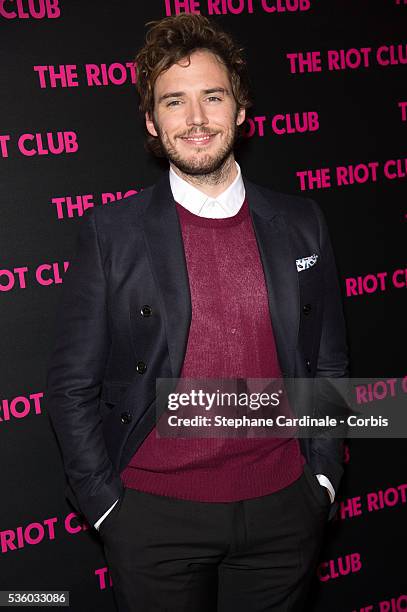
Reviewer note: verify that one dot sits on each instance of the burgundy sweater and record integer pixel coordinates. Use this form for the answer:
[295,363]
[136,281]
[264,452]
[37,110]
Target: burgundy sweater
[230,336]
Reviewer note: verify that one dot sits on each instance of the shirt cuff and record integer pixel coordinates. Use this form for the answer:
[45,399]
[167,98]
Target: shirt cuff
[325,482]
[105,515]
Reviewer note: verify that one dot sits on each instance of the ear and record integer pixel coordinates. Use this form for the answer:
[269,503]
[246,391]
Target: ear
[150,125]
[241,116]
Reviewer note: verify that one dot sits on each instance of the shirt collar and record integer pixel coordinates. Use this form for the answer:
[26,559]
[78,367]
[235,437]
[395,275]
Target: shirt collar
[225,204]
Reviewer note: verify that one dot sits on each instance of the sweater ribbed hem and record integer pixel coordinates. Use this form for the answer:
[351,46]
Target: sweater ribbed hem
[283,467]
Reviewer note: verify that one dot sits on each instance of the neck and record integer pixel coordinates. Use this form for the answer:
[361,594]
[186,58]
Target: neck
[214,183]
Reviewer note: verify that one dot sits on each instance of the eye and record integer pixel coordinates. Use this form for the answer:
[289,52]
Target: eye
[214,98]
[173,103]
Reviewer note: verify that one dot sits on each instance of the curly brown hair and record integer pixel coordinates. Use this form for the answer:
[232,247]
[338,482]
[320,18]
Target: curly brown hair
[176,37]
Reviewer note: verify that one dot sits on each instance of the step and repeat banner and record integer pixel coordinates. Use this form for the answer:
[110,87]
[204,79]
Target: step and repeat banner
[329,122]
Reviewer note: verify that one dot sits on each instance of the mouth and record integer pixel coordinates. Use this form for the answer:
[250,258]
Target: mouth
[199,139]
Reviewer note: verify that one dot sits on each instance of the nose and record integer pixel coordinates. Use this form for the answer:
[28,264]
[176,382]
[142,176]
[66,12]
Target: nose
[196,113]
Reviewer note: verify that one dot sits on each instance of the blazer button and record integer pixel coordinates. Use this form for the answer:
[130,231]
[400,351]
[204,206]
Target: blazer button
[125,417]
[146,311]
[308,365]
[141,367]
[306,309]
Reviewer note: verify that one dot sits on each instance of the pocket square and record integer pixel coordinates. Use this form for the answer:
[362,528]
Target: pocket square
[306,262]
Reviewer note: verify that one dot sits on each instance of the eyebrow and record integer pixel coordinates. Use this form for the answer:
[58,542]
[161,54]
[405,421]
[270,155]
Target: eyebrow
[179,94]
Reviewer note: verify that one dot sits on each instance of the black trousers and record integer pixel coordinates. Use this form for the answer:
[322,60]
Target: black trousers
[172,555]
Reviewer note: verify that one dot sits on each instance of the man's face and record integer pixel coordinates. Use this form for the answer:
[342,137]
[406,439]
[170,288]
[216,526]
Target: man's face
[195,114]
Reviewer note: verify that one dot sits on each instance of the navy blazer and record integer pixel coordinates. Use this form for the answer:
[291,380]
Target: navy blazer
[101,374]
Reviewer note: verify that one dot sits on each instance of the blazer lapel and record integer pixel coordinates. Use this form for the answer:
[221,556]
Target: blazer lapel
[167,259]
[273,239]
[166,253]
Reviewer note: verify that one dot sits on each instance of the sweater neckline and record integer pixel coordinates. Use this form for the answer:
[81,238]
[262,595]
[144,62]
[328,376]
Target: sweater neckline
[188,217]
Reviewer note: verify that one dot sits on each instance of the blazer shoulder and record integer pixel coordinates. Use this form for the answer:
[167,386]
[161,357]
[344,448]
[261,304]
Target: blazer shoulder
[296,208]
[115,214]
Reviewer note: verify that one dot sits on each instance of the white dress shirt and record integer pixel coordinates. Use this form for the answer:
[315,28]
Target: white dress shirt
[226,204]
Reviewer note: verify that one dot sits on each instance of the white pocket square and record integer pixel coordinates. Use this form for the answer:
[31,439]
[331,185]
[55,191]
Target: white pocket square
[306,262]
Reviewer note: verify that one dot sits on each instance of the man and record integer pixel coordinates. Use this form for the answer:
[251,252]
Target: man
[205,274]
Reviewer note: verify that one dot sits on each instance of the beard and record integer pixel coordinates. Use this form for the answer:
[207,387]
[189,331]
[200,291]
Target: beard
[200,166]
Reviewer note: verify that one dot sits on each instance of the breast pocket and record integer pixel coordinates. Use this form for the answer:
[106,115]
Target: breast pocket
[310,275]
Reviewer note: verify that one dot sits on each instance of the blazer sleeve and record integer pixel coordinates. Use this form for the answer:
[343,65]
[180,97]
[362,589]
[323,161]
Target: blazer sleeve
[75,373]
[332,363]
